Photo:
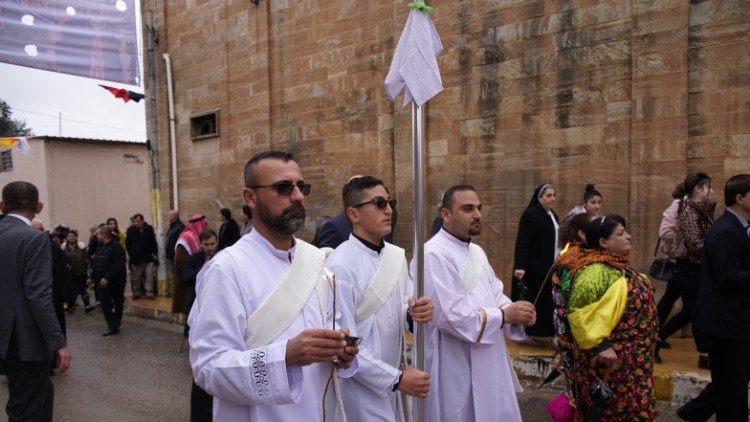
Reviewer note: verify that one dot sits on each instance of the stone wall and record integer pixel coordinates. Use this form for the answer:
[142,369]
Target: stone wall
[629,95]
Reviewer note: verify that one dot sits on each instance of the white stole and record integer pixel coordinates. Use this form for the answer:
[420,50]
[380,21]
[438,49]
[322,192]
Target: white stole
[386,278]
[470,273]
[285,303]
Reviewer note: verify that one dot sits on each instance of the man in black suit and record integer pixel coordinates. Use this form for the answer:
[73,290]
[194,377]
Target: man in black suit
[229,232]
[723,310]
[29,331]
[108,275]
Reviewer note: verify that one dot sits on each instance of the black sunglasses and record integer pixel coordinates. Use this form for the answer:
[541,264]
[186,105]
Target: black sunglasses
[379,202]
[286,187]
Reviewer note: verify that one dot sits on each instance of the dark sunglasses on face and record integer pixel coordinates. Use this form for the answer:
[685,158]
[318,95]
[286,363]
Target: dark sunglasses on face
[379,202]
[286,187]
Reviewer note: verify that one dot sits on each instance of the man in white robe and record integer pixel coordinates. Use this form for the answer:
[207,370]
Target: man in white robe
[472,374]
[261,338]
[374,282]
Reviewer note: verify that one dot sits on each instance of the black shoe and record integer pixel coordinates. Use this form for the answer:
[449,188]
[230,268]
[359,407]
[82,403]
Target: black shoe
[657,358]
[71,311]
[665,344]
[703,362]
[151,297]
[88,309]
[136,297]
[111,332]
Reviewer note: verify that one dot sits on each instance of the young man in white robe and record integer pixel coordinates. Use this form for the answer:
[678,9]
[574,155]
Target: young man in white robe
[262,340]
[375,285]
[472,374]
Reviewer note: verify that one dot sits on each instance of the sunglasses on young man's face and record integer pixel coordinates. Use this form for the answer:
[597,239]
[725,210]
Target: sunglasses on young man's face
[286,187]
[379,202]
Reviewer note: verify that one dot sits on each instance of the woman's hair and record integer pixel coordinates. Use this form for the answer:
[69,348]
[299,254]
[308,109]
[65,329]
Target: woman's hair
[569,232]
[692,181]
[590,192]
[602,228]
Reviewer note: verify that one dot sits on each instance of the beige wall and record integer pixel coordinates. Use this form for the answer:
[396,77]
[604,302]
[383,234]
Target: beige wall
[630,95]
[30,168]
[86,182]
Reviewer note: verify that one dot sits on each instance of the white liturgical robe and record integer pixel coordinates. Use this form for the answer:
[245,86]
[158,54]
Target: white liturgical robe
[471,372]
[367,395]
[256,384]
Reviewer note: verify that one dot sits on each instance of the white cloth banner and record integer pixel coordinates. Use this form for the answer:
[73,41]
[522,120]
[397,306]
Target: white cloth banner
[414,68]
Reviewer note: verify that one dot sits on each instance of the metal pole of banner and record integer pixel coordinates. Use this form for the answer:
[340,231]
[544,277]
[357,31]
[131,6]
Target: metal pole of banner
[417,143]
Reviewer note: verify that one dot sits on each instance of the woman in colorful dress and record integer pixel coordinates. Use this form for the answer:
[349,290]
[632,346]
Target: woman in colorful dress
[573,241]
[613,325]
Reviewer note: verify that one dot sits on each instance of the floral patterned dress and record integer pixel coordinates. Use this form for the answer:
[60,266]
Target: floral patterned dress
[633,339]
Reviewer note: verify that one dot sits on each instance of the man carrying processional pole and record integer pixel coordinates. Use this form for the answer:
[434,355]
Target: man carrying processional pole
[472,374]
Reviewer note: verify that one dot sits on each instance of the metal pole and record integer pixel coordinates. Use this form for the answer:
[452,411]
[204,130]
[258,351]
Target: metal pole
[417,143]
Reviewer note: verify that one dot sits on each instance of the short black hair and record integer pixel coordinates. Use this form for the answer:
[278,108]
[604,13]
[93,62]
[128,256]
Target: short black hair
[20,196]
[138,216]
[738,184]
[602,228]
[207,234]
[249,173]
[590,192]
[351,193]
[448,196]
[226,213]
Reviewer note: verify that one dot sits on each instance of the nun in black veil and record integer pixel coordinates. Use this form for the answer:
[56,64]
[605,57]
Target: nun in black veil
[536,249]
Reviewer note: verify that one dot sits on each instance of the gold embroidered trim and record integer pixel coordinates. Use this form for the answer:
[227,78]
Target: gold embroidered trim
[484,324]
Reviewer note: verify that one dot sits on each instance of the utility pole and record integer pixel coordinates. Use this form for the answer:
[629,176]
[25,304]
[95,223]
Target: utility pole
[153,148]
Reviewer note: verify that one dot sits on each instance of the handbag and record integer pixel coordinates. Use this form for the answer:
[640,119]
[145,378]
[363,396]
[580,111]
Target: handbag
[662,268]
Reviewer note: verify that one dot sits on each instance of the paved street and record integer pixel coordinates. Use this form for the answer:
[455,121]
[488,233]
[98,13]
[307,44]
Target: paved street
[139,376]
[135,376]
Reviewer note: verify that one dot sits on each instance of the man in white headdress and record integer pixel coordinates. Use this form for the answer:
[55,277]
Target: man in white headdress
[375,285]
[472,374]
[262,337]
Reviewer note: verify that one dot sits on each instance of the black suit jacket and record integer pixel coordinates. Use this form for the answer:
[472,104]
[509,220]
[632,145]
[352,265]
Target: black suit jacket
[29,330]
[334,232]
[724,298]
[229,233]
[192,268]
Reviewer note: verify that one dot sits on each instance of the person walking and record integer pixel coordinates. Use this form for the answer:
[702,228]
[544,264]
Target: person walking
[29,331]
[536,249]
[108,274]
[140,242]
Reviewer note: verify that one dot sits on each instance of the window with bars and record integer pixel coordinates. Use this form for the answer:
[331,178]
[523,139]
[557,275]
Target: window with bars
[6,160]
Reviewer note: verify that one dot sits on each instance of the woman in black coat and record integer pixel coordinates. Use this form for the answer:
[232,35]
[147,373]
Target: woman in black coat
[536,249]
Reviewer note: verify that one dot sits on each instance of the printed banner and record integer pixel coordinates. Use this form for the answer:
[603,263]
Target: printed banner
[94,39]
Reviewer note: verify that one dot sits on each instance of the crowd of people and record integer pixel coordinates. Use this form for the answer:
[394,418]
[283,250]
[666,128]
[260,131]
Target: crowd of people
[280,329]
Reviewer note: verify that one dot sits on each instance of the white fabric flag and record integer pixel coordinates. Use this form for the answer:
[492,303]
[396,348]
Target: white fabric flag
[414,68]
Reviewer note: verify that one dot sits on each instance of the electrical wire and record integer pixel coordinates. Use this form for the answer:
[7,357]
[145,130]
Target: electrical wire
[78,121]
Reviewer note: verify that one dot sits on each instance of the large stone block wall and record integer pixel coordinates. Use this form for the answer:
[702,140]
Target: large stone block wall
[630,95]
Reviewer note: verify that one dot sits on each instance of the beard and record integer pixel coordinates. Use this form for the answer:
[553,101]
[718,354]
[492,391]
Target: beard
[475,231]
[292,218]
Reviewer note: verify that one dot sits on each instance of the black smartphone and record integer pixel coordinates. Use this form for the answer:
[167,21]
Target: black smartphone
[352,341]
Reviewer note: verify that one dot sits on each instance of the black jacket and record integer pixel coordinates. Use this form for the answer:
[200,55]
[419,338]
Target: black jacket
[192,268]
[141,246]
[535,242]
[229,233]
[29,330]
[109,263]
[723,308]
[173,234]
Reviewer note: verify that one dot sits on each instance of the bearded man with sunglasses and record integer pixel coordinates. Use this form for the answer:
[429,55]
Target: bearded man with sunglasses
[266,338]
[473,377]
[375,285]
